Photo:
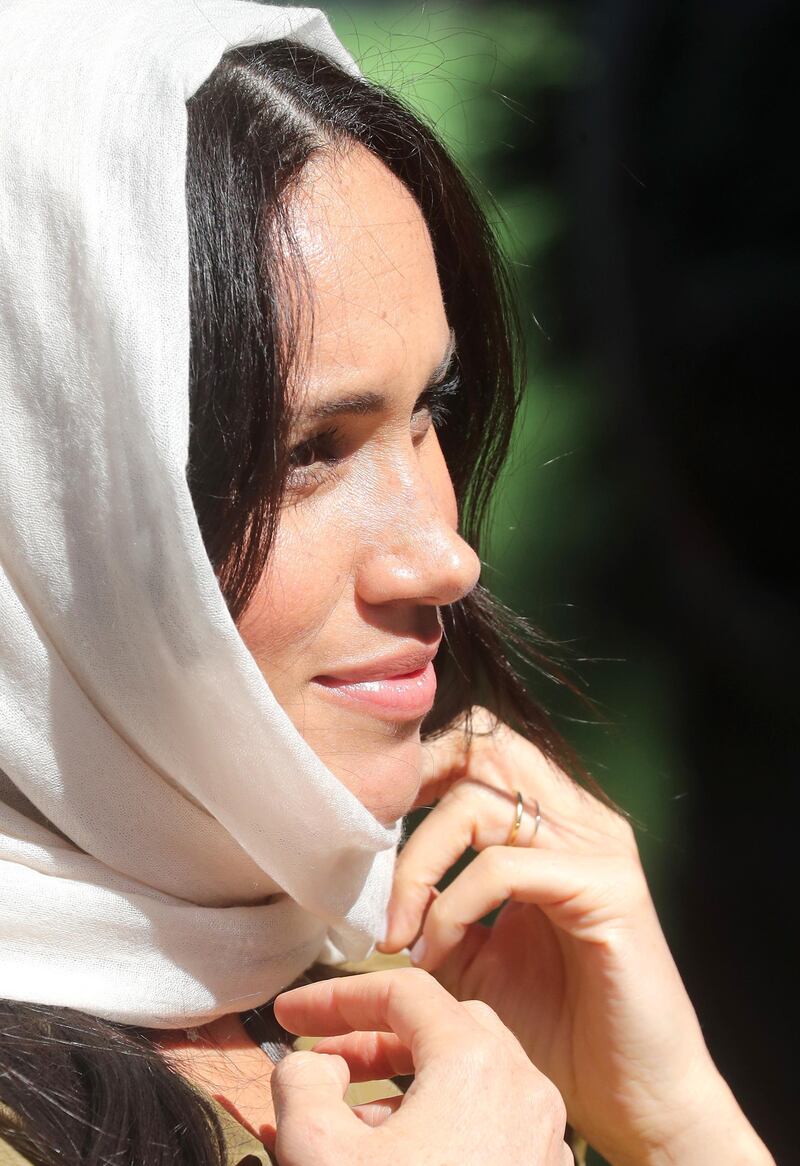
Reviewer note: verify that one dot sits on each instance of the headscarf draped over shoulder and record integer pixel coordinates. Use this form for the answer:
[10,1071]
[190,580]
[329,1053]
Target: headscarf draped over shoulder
[170,847]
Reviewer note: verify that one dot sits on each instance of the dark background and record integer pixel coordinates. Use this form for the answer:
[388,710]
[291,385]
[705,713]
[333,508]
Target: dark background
[643,156]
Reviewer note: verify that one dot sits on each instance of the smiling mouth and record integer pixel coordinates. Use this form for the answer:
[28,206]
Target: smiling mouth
[404,696]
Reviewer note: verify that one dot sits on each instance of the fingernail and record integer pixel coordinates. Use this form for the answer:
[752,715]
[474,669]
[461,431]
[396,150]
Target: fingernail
[417,952]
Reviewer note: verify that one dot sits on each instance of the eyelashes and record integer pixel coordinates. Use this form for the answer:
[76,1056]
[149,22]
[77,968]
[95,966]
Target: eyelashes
[320,447]
[438,400]
[313,461]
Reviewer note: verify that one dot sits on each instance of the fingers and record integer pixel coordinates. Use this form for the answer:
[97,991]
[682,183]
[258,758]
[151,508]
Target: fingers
[470,815]
[375,1113]
[453,756]
[479,811]
[479,1085]
[404,1001]
[486,1016]
[309,1082]
[444,758]
[370,1056]
[579,893]
[501,758]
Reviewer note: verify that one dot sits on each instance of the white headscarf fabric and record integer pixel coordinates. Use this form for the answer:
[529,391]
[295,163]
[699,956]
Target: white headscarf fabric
[170,848]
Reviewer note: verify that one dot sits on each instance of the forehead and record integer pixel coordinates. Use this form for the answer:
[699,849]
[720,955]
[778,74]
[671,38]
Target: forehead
[377,304]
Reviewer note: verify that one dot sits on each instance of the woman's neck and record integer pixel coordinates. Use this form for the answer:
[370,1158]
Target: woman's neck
[222,1060]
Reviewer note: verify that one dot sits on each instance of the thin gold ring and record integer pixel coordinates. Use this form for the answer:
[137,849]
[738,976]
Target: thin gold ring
[518,812]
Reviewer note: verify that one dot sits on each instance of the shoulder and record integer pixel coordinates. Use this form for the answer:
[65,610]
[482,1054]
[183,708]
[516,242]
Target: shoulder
[8,1155]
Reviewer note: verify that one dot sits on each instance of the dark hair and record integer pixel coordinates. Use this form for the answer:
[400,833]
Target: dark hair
[89,1091]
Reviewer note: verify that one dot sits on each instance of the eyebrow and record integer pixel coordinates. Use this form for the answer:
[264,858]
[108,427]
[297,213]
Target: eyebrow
[361,404]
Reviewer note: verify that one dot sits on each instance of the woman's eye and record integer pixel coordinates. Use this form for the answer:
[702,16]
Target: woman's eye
[311,461]
[304,455]
[317,459]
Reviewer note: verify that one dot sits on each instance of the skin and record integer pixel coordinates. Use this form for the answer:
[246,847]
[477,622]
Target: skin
[465,1062]
[576,963]
[576,971]
[376,584]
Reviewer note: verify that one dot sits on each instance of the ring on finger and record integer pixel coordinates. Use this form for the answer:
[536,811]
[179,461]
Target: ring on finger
[519,810]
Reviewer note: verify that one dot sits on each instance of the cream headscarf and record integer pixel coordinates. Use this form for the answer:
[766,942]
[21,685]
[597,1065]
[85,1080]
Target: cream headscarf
[170,847]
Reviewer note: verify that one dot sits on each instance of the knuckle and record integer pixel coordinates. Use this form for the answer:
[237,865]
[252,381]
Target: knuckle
[443,919]
[479,1050]
[493,1035]
[482,720]
[292,1065]
[495,862]
[315,1132]
[417,977]
[298,1069]
[481,1011]
[334,1064]
[631,878]
[407,884]
[551,1106]
[461,793]
[439,915]
[624,830]
[558,1110]
[412,980]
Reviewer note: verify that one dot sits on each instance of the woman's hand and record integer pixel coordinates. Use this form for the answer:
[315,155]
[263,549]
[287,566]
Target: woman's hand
[476,1098]
[576,963]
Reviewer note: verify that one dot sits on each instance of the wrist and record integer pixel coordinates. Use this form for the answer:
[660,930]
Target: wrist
[710,1127]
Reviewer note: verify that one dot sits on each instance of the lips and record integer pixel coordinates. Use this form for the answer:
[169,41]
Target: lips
[398,687]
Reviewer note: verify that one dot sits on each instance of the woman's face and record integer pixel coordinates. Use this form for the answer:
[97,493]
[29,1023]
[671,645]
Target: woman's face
[345,621]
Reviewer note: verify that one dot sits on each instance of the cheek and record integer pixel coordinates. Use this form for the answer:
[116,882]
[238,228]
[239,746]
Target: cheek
[303,615]
[294,596]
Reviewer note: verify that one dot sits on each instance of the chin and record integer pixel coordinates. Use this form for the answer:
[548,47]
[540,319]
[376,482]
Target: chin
[384,776]
[380,761]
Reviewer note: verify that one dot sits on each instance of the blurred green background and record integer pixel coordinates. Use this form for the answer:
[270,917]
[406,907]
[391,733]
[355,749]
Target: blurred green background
[628,155]
[482,75]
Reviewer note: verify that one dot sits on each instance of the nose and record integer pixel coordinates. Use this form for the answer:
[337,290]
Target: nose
[415,554]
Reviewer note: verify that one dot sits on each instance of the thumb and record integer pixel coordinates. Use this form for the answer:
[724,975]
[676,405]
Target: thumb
[314,1122]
